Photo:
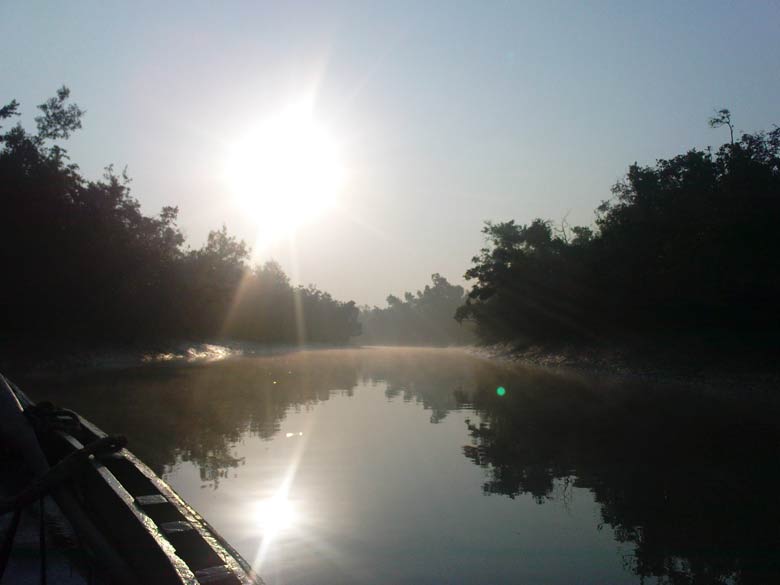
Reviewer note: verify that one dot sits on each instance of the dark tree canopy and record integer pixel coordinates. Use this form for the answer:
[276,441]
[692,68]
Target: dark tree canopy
[58,119]
[425,318]
[685,247]
[723,118]
[82,262]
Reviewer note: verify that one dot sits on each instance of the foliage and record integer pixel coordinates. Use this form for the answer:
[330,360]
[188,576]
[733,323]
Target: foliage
[266,303]
[527,282]
[684,248]
[59,119]
[82,263]
[722,118]
[425,318]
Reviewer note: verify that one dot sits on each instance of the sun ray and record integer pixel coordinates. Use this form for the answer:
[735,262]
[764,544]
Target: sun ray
[298,315]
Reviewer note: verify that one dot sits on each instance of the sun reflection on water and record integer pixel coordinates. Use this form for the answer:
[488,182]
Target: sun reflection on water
[274,517]
[275,514]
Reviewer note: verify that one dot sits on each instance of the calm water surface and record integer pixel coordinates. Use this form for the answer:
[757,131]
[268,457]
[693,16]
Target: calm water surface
[406,466]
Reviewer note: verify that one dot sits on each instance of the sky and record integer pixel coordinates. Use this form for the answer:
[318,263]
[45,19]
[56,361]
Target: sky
[446,114]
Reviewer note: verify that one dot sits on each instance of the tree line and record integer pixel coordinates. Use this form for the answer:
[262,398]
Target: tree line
[424,318]
[684,249]
[82,263]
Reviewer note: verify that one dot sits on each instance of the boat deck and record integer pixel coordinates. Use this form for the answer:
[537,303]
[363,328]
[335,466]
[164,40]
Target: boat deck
[65,562]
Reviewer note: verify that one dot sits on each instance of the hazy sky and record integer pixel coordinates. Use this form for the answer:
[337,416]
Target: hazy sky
[448,114]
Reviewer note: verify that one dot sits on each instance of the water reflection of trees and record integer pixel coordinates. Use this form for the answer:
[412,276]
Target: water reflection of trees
[430,377]
[198,413]
[689,481]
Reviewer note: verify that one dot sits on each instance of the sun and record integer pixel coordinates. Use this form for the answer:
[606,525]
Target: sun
[286,171]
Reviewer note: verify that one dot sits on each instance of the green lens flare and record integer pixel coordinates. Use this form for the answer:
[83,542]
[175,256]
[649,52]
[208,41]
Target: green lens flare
[500,390]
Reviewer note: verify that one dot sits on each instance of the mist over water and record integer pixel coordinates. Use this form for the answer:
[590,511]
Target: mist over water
[411,465]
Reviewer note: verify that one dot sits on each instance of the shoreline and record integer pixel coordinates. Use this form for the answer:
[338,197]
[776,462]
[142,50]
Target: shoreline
[29,364]
[719,373]
[730,373]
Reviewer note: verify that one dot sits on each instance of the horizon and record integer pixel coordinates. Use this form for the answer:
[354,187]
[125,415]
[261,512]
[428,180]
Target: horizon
[539,118]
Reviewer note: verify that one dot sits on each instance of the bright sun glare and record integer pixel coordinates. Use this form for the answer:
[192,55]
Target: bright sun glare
[275,514]
[286,171]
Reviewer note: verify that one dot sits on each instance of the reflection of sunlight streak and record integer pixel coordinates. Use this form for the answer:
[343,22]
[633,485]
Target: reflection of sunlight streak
[278,513]
[322,549]
[306,531]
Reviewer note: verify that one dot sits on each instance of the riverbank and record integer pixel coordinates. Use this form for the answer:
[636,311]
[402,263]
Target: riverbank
[738,372]
[55,361]
[756,374]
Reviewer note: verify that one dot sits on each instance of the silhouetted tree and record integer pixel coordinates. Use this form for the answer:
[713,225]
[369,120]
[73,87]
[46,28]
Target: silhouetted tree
[684,248]
[425,318]
[81,262]
[723,118]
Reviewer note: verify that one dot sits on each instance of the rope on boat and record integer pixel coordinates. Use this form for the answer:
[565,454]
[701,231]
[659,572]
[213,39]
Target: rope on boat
[23,425]
[43,485]
[62,472]
[45,418]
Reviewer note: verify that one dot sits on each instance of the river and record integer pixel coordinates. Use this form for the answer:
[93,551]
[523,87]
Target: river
[385,465]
